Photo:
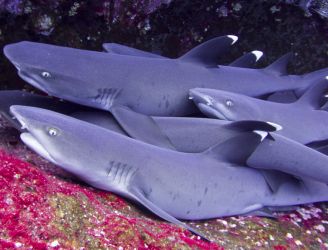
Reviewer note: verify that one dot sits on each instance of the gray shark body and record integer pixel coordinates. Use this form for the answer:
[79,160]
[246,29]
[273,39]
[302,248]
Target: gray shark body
[114,48]
[149,86]
[170,184]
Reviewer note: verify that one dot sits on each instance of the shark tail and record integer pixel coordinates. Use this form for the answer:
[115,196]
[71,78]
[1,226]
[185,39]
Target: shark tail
[310,79]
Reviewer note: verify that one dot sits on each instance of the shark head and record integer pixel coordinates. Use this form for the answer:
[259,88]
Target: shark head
[76,146]
[58,71]
[59,139]
[224,105]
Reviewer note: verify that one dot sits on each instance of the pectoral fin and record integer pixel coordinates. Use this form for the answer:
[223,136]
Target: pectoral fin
[141,127]
[161,213]
[263,212]
[275,179]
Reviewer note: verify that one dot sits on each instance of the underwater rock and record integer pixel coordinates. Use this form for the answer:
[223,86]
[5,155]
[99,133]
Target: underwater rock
[272,26]
[312,6]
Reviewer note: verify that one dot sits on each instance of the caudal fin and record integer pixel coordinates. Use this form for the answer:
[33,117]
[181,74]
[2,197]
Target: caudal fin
[314,95]
[309,79]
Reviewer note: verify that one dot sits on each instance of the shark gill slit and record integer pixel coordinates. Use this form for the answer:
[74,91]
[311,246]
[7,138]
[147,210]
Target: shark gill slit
[120,173]
[106,97]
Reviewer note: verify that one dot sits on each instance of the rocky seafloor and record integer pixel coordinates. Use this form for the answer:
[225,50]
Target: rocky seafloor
[42,207]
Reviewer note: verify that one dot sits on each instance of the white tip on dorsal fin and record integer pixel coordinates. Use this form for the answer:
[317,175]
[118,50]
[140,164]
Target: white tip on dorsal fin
[234,38]
[258,54]
[279,67]
[263,134]
[277,126]
[208,52]
[247,60]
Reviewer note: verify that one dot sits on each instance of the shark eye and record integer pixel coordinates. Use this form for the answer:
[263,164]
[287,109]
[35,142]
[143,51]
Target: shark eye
[52,132]
[45,74]
[229,103]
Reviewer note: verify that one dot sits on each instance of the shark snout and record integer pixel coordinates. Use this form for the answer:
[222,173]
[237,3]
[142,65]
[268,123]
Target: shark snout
[19,53]
[19,112]
[11,50]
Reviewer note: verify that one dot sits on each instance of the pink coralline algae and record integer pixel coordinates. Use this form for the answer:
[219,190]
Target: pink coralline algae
[40,211]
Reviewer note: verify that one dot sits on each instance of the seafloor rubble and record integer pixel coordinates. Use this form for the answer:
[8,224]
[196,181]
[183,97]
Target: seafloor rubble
[41,207]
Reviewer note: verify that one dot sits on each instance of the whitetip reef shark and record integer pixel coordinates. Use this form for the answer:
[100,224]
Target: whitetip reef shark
[173,185]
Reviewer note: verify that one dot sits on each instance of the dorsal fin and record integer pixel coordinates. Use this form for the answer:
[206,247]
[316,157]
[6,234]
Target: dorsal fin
[248,60]
[251,125]
[279,67]
[208,52]
[314,96]
[237,149]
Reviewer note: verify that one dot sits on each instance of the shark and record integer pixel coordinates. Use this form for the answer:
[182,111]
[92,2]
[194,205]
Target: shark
[173,185]
[303,121]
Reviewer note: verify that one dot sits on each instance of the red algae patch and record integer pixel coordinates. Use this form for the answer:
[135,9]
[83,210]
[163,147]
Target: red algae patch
[40,211]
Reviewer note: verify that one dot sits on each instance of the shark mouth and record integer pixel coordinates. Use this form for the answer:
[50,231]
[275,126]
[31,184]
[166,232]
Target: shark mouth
[30,140]
[205,104]
[211,112]
[30,80]
[34,145]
